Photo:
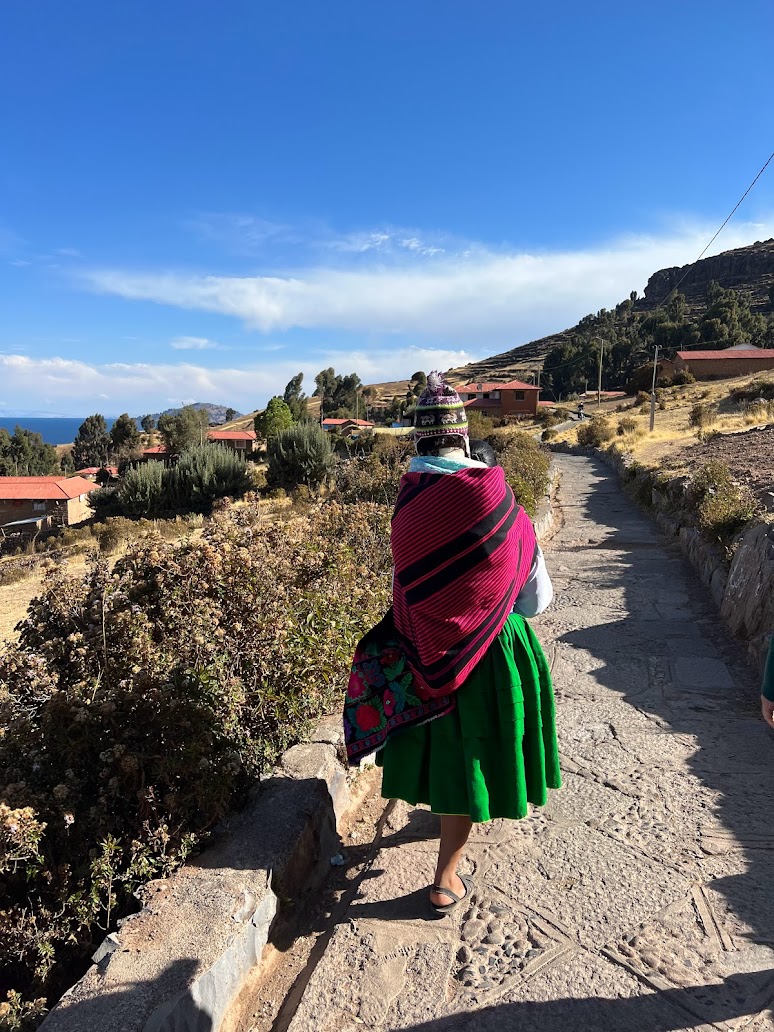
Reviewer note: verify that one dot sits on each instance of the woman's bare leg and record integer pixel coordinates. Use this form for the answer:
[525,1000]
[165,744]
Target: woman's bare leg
[455,830]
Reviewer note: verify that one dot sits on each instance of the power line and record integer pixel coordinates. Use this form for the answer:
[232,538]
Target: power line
[728,218]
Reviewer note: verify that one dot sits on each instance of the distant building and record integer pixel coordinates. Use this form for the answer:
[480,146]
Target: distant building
[347,427]
[90,472]
[59,501]
[498,400]
[241,441]
[716,365]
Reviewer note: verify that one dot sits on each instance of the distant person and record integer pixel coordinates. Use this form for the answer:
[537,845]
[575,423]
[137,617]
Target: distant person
[452,688]
[581,410]
[767,691]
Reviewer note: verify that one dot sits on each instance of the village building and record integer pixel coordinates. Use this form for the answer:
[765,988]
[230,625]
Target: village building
[498,400]
[51,501]
[716,365]
[243,442]
[92,473]
[347,427]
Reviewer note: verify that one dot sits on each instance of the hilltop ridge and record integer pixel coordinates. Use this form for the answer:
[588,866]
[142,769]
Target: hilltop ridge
[749,268]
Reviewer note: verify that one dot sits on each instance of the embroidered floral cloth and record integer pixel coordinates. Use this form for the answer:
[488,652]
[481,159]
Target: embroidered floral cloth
[382,694]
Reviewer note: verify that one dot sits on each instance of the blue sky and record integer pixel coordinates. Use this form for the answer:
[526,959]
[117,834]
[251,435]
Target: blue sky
[197,200]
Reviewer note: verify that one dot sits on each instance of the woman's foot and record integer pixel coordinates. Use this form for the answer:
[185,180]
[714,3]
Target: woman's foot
[440,899]
[442,892]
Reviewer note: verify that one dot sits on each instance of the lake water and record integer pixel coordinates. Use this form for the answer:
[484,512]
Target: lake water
[51,429]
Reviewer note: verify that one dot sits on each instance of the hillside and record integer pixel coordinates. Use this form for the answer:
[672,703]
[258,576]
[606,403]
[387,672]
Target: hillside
[750,269]
[216,413]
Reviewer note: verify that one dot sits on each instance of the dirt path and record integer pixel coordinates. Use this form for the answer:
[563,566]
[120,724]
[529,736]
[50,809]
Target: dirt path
[641,897]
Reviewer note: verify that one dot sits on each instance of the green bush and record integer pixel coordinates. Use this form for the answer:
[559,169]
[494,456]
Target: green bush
[141,703]
[201,476]
[722,505]
[595,432]
[702,415]
[526,466]
[141,491]
[302,454]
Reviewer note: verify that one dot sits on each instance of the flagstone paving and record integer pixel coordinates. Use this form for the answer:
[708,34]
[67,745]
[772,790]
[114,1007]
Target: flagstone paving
[642,896]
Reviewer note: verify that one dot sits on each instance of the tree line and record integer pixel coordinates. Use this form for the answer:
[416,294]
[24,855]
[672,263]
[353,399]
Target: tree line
[628,337]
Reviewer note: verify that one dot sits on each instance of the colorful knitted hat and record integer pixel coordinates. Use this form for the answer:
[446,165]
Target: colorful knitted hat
[439,410]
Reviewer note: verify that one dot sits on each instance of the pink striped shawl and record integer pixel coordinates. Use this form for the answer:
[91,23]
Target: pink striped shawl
[463,549]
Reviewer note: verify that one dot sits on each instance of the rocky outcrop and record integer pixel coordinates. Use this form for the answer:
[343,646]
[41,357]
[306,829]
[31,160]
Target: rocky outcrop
[745,268]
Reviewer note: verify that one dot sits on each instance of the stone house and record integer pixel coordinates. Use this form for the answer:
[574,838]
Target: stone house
[716,365]
[497,400]
[62,500]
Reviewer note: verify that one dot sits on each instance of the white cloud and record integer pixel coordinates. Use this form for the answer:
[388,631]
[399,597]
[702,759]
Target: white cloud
[493,299]
[68,252]
[195,344]
[70,386]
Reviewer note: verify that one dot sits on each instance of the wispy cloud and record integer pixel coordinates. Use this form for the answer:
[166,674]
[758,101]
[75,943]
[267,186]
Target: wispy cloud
[195,344]
[491,298]
[68,252]
[70,386]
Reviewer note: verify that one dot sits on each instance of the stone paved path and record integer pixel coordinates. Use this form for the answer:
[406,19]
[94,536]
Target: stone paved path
[642,897]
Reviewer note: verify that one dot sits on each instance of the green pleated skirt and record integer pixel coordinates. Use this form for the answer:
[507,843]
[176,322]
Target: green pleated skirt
[497,751]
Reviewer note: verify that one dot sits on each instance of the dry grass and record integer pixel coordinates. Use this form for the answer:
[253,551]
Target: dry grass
[673,432]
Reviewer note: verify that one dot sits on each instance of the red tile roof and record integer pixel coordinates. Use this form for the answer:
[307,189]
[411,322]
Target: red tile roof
[91,471]
[232,435]
[727,353]
[157,449]
[341,422]
[38,489]
[511,385]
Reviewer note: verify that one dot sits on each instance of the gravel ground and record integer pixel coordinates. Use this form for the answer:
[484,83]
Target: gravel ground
[749,456]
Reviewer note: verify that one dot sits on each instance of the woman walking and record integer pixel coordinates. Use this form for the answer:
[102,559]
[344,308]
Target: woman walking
[452,686]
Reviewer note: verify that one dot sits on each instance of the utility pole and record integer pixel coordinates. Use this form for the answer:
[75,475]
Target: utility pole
[599,377]
[653,391]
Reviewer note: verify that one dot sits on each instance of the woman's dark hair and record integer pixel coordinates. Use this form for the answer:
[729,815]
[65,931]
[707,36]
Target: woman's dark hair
[482,451]
[432,445]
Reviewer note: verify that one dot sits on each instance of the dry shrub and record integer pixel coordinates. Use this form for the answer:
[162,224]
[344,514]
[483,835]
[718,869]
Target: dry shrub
[526,466]
[722,505]
[702,415]
[757,412]
[760,387]
[627,425]
[595,432]
[140,704]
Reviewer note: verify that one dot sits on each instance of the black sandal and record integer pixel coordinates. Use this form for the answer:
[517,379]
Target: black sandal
[447,908]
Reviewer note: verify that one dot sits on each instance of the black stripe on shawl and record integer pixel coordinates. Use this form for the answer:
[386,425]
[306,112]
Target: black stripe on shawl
[441,672]
[461,543]
[467,562]
[409,493]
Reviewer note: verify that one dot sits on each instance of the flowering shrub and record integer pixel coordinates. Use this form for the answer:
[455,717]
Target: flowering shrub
[139,703]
